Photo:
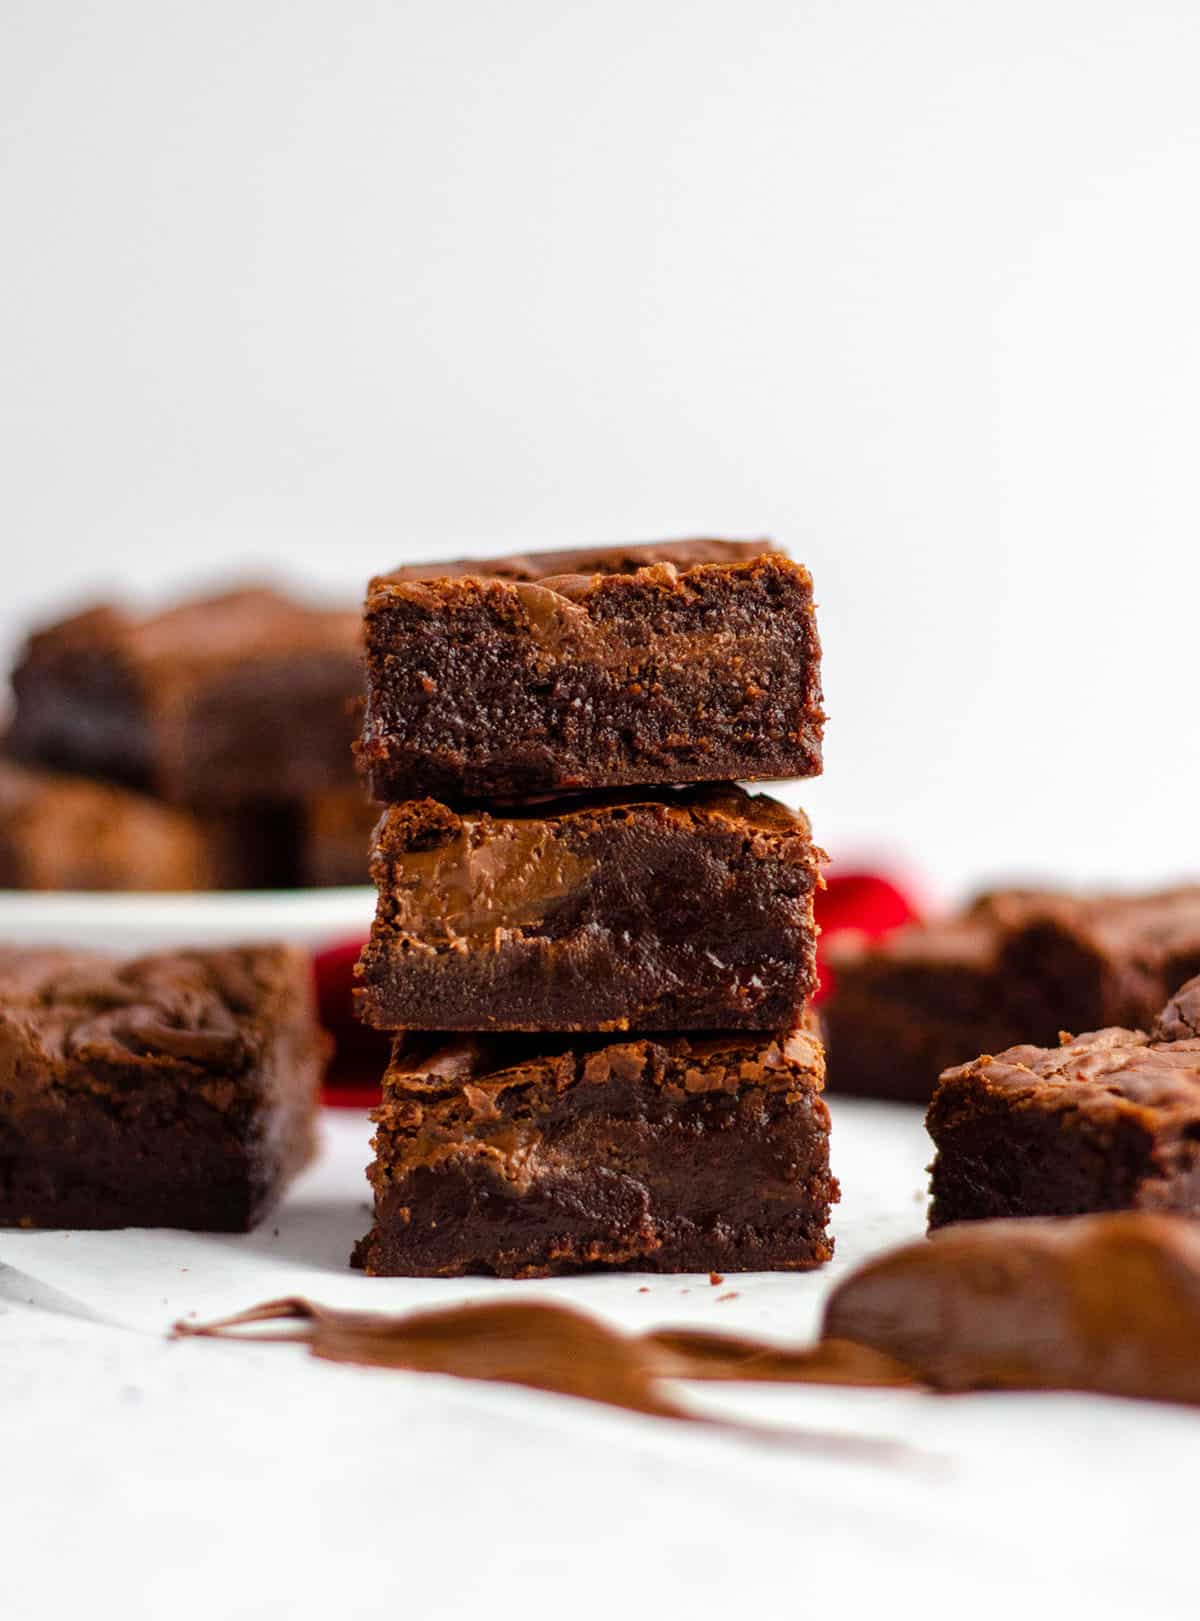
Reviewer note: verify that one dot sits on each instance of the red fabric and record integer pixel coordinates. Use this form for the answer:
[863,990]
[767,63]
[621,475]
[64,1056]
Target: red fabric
[359,1055]
[864,901]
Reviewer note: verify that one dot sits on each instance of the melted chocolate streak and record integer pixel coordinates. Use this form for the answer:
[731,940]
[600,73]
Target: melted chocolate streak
[557,1349]
[1106,1303]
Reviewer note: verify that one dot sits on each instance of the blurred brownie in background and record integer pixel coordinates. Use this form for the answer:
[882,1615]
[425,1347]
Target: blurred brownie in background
[248,696]
[173,1090]
[335,843]
[685,661]
[1016,966]
[59,832]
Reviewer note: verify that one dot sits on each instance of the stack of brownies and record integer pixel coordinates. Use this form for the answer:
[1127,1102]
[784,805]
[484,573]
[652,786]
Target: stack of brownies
[204,746]
[595,951]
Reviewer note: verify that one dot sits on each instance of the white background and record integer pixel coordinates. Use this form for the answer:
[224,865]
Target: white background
[912,287]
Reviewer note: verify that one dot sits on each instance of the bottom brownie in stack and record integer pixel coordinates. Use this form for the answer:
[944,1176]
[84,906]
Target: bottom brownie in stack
[528,1155]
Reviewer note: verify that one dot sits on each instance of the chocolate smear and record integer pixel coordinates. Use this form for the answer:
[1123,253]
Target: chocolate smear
[1107,1303]
[696,1354]
[555,1348]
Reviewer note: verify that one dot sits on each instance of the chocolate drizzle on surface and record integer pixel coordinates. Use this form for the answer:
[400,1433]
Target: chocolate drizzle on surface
[1104,1304]
[568,1353]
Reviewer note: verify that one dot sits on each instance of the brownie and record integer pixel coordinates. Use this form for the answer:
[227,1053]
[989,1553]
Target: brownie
[692,661]
[1106,1121]
[664,911]
[176,1090]
[218,701]
[1016,965]
[529,1155]
[336,840]
[59,832]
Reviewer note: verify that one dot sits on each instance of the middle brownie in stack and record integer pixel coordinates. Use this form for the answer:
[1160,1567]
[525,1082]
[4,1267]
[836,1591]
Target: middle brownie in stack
[683,908]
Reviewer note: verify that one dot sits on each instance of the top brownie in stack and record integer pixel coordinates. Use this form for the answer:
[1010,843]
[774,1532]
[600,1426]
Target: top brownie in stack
[1015,966]
[686,662]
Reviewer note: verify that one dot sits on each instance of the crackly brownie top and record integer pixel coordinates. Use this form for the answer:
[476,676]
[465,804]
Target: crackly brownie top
[1149,926]
[585,560]
[1106,1072]
[484,1067]
[232,627]
[559,604]
[203,1009]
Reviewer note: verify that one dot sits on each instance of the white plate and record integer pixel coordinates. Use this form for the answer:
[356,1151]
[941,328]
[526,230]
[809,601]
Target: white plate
[125,922]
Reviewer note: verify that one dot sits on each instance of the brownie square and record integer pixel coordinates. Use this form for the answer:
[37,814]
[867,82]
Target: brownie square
[684,911]
[1106,1121]
[1015,966]
[176,1090]
[59,832]
[245,696]
[683,662]
[524,1156]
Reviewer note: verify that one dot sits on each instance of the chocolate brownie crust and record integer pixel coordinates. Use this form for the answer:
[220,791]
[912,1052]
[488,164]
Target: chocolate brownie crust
[689,911]
[177,1090]
[495,688]
[524,1156]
